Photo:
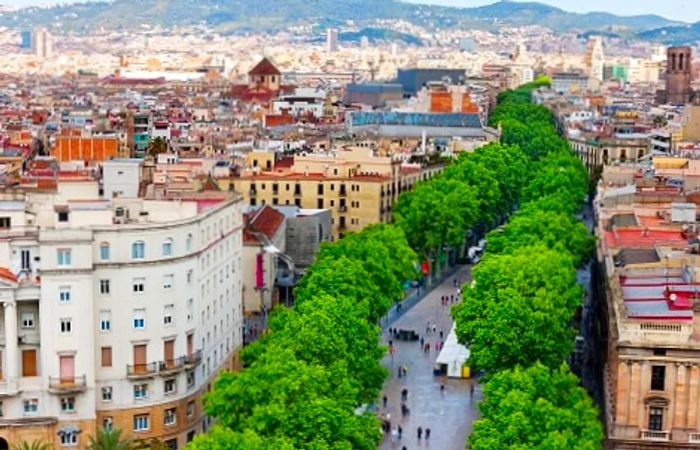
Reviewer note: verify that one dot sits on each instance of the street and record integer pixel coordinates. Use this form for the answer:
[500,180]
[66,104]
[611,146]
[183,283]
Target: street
[447,414]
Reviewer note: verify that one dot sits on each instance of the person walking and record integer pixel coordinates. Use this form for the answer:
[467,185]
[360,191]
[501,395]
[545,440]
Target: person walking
[400,431]
[427,328]
[419,431]
[427,434]
[405,370]
[422,341]
[384,401]
[471,390]
[404,394]
[394,434]
[441,334]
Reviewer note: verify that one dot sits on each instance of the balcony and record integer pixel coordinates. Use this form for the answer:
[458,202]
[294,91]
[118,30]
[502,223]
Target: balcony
[657,436]
[193,359]
[694,438]
[342,208]
[67,385]
[139,371]
[172,366]
[343,192]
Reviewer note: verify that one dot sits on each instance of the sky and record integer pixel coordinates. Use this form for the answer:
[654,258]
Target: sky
[685,10]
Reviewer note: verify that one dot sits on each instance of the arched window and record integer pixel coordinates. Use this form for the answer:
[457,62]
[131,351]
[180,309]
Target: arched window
[104,251]
[138,250]
[168,247]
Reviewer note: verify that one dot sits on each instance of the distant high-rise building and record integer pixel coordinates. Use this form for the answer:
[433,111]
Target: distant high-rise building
[25,39]
[678,75]
[332,40]
[41,43]
[595,58]
[364,42]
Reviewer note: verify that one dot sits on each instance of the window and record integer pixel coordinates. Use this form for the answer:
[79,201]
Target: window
[140,391]
[168,314]
[189,276]
[107,394]
[105,320]
[66,325]
[188,242]
[190,409]
[656,419]
[658,378]
[68,404]
[190,309]
[64,294]
[190,379]
[104,251]
[659,352]
[169,386]
[108,422]
[104,287]
[167,247]
[168,281]
[63,257]
[139,285]
[171,444]
[170,417]
[106,356]
[68,438]
[139,319]
[138,250]
[141,422]
[27,320]
[190,436]
[63,216]
[30,406]
[5,222]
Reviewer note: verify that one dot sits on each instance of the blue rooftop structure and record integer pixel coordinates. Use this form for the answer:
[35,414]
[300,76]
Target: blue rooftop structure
[458,120]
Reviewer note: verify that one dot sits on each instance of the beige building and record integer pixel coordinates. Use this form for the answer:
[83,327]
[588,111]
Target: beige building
[359,187]
[647,254]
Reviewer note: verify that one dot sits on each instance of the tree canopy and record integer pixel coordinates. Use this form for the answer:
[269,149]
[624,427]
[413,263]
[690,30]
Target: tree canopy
[536,408]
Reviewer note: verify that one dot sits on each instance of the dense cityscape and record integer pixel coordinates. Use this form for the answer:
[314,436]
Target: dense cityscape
[347,225]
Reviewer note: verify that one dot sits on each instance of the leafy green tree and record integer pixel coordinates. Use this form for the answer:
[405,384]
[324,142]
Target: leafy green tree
[110,439]
[536,408]
[280,395]
[436,213]
[33,445]
[557,231]
[519,310]
[156,146]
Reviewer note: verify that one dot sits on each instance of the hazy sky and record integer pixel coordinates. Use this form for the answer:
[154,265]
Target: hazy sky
[686,10]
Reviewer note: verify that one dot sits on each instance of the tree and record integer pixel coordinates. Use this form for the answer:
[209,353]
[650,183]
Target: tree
[110,439]
[156,146]
[279,395]
[33,445]
[519,310]
[556,230]
[536,408]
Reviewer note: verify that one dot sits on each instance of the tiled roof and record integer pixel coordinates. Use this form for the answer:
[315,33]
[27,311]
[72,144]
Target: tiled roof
[265,67]
[266,220]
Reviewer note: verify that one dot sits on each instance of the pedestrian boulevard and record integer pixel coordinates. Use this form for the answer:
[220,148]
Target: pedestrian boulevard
[449,413]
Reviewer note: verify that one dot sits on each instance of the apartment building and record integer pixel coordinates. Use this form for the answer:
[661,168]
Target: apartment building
[648,258]
[116,312]
[359,187]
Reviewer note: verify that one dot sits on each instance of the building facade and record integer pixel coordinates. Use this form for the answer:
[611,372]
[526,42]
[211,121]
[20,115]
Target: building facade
[116,313]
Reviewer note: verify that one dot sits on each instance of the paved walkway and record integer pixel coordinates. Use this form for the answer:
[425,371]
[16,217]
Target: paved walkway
[448,414]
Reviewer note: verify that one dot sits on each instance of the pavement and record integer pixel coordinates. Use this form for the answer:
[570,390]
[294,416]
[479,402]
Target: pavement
[447,414]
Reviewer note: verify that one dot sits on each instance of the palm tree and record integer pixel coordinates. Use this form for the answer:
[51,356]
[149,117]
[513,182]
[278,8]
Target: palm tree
[110,439]
[157,146]
[34,445]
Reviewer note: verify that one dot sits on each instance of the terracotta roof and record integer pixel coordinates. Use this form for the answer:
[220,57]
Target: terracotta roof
[7,274]
[265,220]
[264,67]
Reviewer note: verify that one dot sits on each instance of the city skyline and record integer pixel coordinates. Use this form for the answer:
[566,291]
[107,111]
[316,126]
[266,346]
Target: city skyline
[681,10]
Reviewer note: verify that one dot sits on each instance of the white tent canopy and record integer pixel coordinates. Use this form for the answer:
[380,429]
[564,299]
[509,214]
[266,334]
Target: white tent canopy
[453,355]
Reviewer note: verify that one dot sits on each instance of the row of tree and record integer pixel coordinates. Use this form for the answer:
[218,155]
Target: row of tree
[516,318]
[305,381]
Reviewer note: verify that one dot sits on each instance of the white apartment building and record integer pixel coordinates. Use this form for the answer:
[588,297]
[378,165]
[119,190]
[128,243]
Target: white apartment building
[116,312]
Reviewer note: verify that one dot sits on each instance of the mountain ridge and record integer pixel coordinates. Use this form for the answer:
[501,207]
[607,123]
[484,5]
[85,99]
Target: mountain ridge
[246,15]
